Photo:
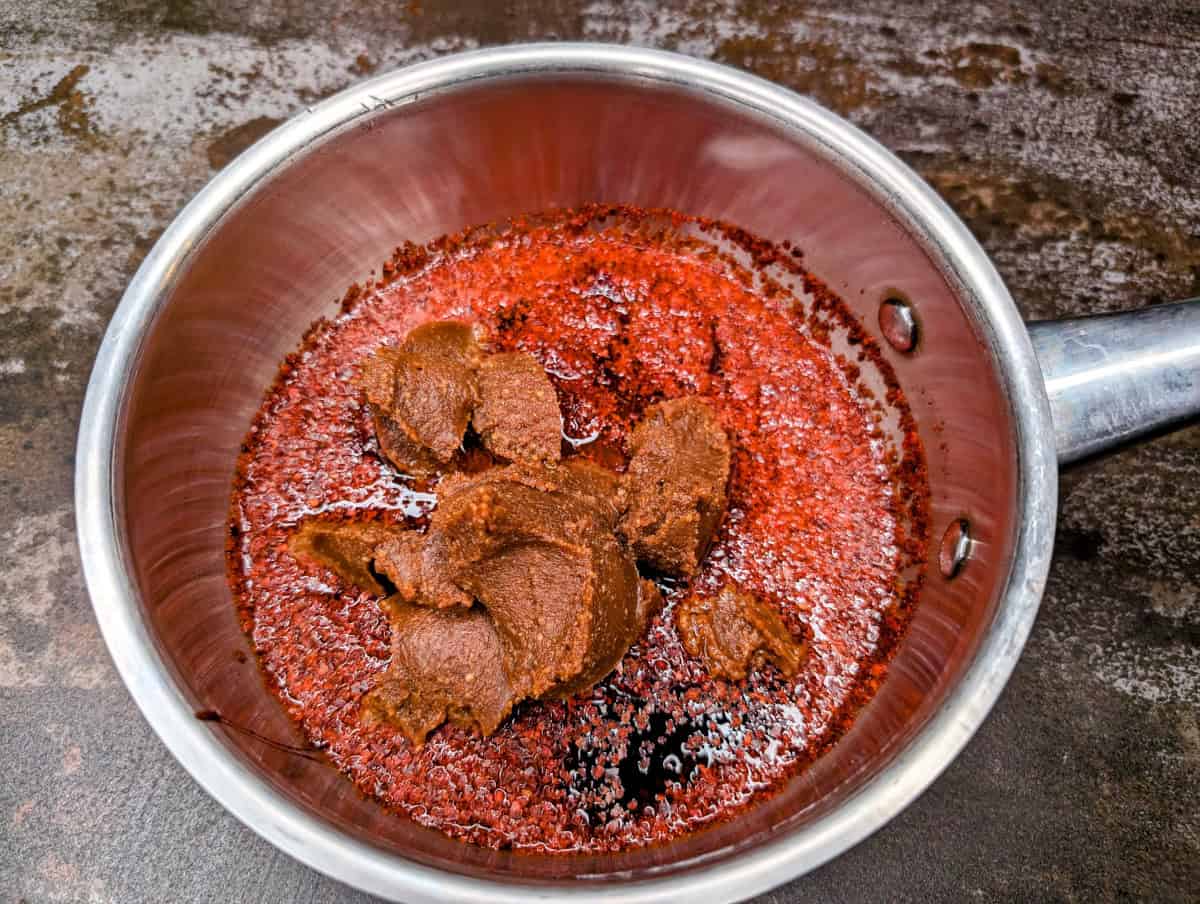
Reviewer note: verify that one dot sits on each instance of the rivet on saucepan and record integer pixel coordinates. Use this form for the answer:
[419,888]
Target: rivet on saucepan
[956,546]
[898,324]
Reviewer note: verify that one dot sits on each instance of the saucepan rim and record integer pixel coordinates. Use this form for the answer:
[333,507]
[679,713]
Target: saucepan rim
[320,845]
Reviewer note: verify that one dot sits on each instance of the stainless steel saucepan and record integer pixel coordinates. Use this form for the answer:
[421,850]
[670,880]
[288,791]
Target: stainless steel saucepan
[266,246]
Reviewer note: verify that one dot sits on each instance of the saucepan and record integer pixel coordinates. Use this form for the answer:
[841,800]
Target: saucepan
[269,244]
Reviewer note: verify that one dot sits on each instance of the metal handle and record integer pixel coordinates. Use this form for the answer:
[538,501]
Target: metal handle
[1114,377]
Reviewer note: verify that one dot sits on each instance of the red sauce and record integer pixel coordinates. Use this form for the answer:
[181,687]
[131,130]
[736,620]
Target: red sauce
[827,520]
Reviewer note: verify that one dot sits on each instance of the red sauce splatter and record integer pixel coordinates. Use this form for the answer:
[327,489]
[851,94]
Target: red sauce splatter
[623,307]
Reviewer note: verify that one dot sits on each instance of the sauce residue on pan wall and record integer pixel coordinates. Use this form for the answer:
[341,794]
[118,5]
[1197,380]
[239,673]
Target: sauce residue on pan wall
[623,307]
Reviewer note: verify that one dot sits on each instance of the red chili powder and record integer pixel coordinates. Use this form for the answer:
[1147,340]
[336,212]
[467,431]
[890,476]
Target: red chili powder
[622,307]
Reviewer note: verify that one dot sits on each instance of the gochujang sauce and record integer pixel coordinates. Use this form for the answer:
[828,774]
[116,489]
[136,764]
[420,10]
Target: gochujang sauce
[623,308]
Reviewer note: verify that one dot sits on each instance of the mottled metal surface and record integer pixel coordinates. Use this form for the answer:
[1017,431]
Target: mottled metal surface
[1063,133]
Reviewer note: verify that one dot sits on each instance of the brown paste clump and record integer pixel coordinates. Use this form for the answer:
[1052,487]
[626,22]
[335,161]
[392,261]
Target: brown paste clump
[543,559]
[525,583]
[517,417]
[446,667]
[735,633]
[345,548]
[676,480]
[422,395]
[418,567]
[425,393]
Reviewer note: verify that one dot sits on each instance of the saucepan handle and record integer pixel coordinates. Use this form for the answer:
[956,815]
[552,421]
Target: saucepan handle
[1114,377]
